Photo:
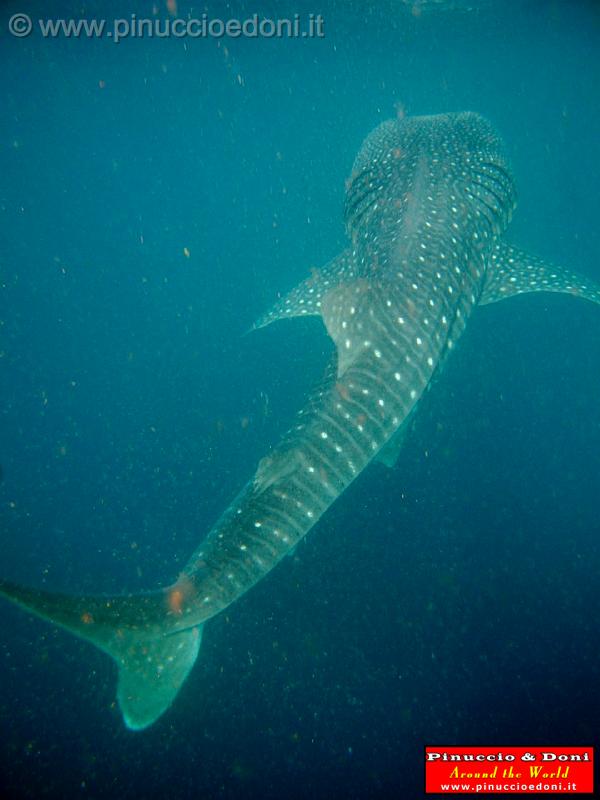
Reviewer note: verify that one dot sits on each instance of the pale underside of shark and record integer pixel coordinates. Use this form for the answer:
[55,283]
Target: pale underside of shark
[426,207]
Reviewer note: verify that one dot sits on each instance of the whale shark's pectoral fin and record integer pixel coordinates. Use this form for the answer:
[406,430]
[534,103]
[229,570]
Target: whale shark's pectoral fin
[306,298]
[512,271]
[334,293]
[153,663]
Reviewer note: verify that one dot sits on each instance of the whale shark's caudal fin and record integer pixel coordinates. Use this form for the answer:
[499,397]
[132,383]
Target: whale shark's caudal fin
[152,664]
[151,674]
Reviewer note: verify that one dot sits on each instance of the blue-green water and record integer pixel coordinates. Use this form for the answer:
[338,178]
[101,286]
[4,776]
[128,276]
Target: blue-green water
[155,197]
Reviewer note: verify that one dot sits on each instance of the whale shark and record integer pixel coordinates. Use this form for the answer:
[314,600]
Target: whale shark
[426,208]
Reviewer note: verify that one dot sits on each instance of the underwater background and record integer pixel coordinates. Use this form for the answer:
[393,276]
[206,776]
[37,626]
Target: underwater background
[156,196]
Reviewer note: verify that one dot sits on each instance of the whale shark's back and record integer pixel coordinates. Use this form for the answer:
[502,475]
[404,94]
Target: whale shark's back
[419,177]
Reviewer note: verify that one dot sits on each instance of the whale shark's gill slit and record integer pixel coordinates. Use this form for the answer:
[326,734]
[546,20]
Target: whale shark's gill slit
[486,207]
[491,187]
[363,201]
[495,172]
[500,190]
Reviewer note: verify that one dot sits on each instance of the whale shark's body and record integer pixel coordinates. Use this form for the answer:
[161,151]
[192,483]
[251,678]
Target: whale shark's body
[426,206]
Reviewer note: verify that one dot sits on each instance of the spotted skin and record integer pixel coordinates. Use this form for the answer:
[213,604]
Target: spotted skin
[426,203]
[512,272]
[307,298]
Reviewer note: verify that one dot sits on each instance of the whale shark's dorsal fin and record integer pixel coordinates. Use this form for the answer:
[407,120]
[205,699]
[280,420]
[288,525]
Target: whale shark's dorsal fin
[512,271]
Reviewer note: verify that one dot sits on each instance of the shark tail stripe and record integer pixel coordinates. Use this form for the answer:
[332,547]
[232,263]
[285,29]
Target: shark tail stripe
[153,665]
[513,271]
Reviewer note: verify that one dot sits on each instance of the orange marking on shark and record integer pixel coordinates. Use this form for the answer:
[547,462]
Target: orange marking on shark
[179,593]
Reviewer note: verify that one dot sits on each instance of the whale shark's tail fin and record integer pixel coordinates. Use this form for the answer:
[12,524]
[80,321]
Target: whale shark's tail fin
[151,674]
[153,662]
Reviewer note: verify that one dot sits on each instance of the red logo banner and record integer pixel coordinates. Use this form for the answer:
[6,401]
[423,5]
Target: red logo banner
[514,770]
